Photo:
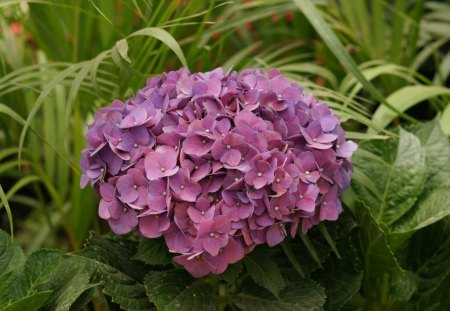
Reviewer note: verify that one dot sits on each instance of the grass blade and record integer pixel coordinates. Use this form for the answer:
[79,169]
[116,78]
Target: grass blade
[338,49]
[404,99]
[8,211]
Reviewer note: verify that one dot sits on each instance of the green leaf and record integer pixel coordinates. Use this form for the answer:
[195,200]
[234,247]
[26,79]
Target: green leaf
[340,280]
[264,271]
[12,261]
[304,295]
[437,149]
[32,302]
[404,99]
[429,257]
[122,277]
[403,287]
[232,273]
[429,209]
[398,174]
[177,290]
[153,252]
[40,265]
[379,260]
[44,278]
[69,281]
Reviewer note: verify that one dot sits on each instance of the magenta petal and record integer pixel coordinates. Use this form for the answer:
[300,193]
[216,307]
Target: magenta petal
[107,191]
[212,245]
[231,157]
[153,226]
[197,266]
[347,149]
[306,205]
[221,224]
[258,182]
[275,234]
[103,209]
[125,223]
[233,251]
[197,145]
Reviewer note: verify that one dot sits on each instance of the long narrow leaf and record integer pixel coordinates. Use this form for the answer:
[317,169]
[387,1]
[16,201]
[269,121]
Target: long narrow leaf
[336,46]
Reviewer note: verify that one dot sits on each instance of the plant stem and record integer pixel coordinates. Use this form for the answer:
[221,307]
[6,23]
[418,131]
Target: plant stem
[291,257]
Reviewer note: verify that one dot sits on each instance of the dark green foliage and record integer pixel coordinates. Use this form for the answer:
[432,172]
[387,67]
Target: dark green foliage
[405,260]
[153,252]
[122,277]
[340,279]
[264,271]
[398,173]
[232,273]
[177,290]
[303,295]
[45,279]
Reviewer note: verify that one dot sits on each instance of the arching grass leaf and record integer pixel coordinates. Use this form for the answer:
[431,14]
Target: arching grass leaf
[405,98]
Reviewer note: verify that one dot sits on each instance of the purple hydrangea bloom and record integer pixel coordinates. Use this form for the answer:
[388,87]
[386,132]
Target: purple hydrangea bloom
[217,163]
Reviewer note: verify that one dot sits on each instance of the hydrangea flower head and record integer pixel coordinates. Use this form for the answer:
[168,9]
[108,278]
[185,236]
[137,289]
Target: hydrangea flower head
[217,163]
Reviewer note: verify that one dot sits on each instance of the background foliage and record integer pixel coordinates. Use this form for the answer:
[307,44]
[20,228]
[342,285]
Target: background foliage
[383,66]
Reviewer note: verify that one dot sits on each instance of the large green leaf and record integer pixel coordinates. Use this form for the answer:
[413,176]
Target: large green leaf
[33,302]
[40,265]
[153,252]
[264,271]
[429,209]
[11,265]
[232,273]
[378,259]
[69,281]
[303,295]
[403,287]
[429,258]
[122,277]
[45,279]
[177,290]
[437,149]
[398,174]
[340,280]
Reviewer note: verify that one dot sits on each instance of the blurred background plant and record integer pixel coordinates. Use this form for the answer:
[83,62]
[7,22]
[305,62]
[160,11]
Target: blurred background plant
[377,63]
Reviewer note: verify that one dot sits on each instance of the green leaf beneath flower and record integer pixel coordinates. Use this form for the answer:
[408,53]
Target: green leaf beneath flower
[122,277]
[380,264]
[303,295]
[177,290]
[264,271]
[153,252]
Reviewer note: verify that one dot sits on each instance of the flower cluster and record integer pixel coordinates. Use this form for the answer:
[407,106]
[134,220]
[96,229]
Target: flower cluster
[217,163]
